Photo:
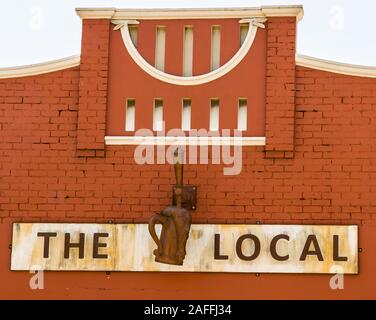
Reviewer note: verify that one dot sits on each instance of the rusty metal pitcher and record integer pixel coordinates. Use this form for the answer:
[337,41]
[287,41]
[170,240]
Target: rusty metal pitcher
[176,221]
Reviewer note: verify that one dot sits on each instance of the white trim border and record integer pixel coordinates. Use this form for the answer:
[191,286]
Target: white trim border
[40,68]
[335,67]
[191,13]
[190,141]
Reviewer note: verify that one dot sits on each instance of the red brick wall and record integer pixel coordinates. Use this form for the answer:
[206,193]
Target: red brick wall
[38,119]
[93,87]
[330,179]
[280,87]
[335,145]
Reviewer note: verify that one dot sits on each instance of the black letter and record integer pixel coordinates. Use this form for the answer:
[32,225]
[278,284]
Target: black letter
[46,236]
[273,249]
[97,245]
[239,243]
[217,254]
[80,245]
[336,256]
[317,252]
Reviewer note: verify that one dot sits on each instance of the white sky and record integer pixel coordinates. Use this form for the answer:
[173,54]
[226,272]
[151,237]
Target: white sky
[33,31]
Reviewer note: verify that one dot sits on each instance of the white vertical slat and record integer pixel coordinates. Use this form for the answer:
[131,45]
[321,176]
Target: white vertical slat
[186,115]
[160,46]
[188,51]
[242,114]
[216,47]
[214,115]
[130,115]
[158,115]
[243,32]
[133,31]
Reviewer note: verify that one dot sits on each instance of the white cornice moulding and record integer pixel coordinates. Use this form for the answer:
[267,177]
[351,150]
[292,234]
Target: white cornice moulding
[97,13]
[40,68]
[283,11]
[335,67]
[190,141]
[196,13]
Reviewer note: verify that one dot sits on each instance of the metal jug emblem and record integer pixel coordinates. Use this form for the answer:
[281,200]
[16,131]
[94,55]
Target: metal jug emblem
[175,220]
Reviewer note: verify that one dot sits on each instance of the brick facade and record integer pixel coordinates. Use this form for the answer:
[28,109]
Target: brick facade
[324,175]
[93,88]
[318,165]
[330,178]
[280,87]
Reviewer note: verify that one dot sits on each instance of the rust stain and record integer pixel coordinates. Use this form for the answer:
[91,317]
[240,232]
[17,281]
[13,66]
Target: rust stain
[196,234]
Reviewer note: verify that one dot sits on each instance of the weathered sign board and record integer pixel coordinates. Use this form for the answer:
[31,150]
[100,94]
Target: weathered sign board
[210,248]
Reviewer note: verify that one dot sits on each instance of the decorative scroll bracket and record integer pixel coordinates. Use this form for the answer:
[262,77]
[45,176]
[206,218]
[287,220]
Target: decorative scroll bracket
[122,23]
[256,22]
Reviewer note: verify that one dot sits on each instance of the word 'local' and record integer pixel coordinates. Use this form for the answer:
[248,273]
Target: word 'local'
[311,241]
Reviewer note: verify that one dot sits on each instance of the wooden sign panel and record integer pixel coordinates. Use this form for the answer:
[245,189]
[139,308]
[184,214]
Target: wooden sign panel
[210,248]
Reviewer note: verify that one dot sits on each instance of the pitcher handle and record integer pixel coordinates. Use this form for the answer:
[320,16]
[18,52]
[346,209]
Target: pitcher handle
[152,222]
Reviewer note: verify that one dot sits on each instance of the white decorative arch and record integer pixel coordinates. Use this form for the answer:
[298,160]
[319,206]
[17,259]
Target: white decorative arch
[254,24]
